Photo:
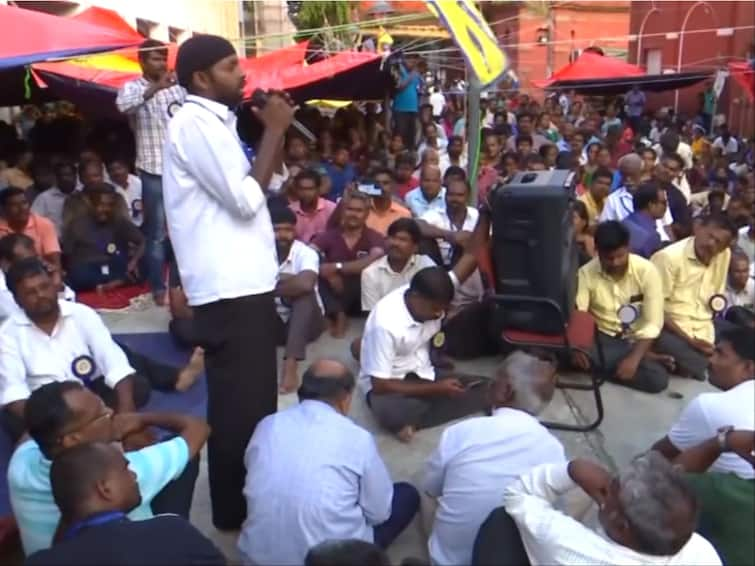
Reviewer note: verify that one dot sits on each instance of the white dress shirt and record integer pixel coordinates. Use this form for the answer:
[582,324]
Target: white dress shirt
[300,258]
[379,279]
[30,358]
[394,344]
[312,475]
[475,460]
[552,537]
[744,298]
[217,214]
[620,204]
[132,194]
[708,412]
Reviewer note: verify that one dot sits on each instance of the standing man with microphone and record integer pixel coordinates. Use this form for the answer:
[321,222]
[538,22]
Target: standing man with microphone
[224,244]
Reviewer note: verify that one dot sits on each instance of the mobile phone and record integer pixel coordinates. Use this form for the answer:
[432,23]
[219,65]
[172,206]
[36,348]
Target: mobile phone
[475,383]
[369,188]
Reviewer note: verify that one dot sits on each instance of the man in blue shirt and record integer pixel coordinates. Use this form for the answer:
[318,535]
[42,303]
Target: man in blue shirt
[406,102]
[61,415]
[340,171]
[650,202]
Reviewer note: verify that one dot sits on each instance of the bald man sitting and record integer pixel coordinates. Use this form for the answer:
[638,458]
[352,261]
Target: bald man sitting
[430,195]
[477,458]
[314,475]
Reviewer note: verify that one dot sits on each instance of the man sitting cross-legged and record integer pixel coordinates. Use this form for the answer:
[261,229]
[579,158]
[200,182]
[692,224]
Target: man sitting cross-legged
[300,314]
[61,415]
[95,488]
[102,248]
[396,373]
[610,286]
[344,253]
[693,273]
[479,457]
[313,475]
[56,340]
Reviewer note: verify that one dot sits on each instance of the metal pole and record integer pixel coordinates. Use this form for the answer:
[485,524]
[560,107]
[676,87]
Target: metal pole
[551,38]
[474,120]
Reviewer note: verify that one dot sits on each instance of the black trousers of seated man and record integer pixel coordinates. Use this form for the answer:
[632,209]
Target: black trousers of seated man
[689,360]
[651,376]
[394,411]
[240,342]
[499,542]
[348,300]
[304,325]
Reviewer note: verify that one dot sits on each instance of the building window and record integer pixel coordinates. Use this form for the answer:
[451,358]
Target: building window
[653,61]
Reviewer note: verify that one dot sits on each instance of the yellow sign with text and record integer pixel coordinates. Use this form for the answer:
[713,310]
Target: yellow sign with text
[472,34]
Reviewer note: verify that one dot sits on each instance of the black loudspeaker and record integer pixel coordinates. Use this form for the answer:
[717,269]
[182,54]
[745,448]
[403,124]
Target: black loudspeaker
[534,252]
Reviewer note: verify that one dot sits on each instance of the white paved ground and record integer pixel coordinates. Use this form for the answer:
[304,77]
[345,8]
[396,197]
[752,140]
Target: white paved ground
[633,422]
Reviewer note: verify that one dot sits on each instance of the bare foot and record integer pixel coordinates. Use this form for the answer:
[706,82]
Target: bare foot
[290,378]
[190,373]
[339,325]
[406,434]
[160,298]
[664,359]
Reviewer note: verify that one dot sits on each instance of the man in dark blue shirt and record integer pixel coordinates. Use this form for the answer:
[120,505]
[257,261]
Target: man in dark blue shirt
[95,489]
[341,172]
[650,202]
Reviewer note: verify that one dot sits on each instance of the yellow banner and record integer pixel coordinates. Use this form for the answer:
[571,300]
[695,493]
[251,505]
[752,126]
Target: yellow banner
[472,34]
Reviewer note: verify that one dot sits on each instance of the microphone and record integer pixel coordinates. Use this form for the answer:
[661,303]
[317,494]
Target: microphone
[259,99]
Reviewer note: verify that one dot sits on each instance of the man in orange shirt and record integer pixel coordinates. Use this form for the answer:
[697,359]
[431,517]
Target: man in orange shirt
[385,210]
[17,218]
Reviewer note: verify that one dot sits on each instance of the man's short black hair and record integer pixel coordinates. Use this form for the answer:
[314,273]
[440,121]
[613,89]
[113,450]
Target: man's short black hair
[406,159]
[721,221]
[149,45]
[74,473]
[433,284]
[602,172]
[8,193]
[523,115]
[408,225]
[23,269]
[316,385]
[9,243]
[610,236]
[452,139]
[645,195]
[65,165]
[675,157]
[649,150]
[346,553]
[310,174]
[524,138]
[101,189]
[281,214]
[742,340]
[382,170]
[454,171]
[46,414]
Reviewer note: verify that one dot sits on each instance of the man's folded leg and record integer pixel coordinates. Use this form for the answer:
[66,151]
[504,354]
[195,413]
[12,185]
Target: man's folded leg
[395,412]
[690,361]
[498,542]
[651,376]
[404,507]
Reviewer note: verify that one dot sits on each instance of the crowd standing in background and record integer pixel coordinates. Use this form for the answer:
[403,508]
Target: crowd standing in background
[372,219]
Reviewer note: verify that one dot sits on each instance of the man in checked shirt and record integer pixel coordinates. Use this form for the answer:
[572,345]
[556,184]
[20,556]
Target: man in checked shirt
[150,101]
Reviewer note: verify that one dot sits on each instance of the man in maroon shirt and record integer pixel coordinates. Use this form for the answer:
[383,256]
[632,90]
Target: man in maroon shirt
[345,251]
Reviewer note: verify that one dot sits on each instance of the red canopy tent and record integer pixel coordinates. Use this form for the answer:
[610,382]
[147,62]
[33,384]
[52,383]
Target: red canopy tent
[29,36]
[107,19]
[591,66]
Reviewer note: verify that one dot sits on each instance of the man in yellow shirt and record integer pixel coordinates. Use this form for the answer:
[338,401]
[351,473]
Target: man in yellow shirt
[611,287]
[595,197]
[693,273]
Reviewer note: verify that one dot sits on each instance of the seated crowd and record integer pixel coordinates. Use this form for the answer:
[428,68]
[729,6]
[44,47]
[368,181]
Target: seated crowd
[380,226]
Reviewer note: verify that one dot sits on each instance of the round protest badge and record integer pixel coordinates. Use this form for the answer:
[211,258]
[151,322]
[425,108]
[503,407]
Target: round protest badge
[173,107]
[627,314]
[718,303]
[83,367]
[439,339]
[136,206]
[111,248]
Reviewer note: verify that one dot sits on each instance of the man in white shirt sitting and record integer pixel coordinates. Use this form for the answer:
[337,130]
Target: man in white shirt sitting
[477,458]
[647,515]
[732,369]
[313,475]
[396,373]
[725,142]
[397,267]
[300,313]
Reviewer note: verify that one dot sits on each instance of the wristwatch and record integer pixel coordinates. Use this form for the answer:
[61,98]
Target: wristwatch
[721,437]
[339,266]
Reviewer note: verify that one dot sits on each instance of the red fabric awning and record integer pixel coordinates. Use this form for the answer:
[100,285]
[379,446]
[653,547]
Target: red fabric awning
[29,37]
[744,74]
[108,19]
[591,66]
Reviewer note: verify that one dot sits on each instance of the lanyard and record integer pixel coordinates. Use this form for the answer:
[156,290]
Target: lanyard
[93,521]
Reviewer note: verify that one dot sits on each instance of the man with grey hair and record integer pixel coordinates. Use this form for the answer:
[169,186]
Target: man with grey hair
[478,457]
[620,203]
[647,514]
[314,475]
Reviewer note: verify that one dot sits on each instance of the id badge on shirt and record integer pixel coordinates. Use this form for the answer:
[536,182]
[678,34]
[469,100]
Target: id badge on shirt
[105,269]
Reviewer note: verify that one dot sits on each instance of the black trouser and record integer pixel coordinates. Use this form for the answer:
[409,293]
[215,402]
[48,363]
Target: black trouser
[651,376]
[498,542]
[242,388]
[348,301]
[176,496]
[689,360]
[184,333]
[405,125]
